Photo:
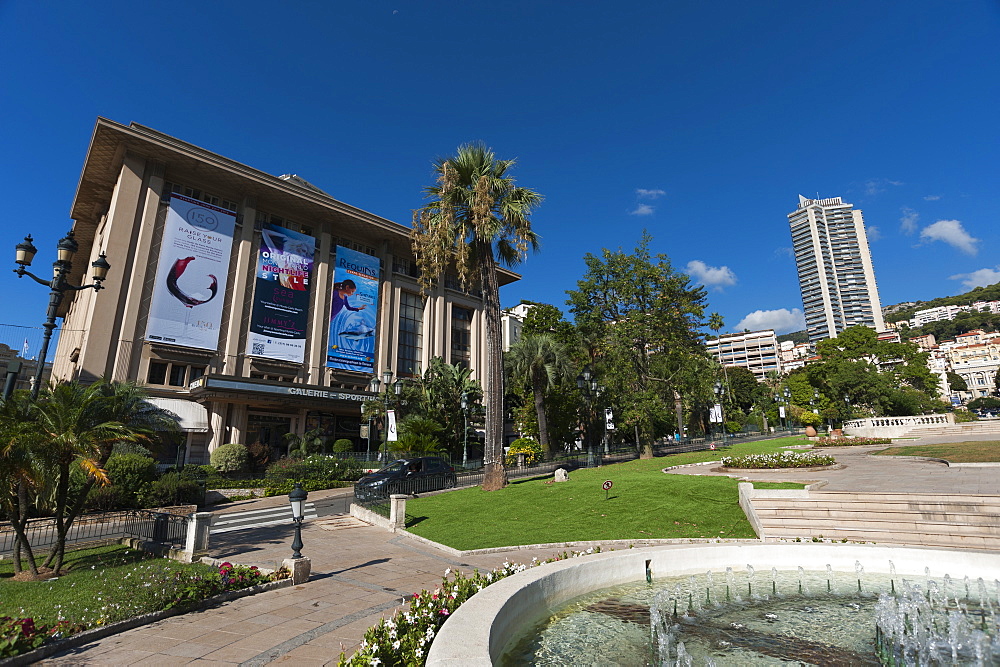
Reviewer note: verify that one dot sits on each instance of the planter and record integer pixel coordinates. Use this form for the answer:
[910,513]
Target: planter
[810,431]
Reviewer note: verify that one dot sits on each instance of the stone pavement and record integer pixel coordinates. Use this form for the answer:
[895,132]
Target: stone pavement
[361,573]
[860,472]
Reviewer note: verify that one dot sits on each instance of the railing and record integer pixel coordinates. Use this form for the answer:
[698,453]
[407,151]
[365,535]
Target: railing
[89,528]
[894,427]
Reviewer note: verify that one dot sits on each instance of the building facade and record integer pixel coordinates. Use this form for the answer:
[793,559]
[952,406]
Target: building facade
[834,263]
[755,350]
[250,305]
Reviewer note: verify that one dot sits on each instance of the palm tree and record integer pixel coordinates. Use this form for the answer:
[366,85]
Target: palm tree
[18,472]
[541,361]
[477,217]
[80,424]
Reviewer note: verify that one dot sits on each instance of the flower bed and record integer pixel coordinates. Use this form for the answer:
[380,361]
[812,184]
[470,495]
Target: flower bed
[778,460]
[138,592]
[405,638]
[851,442]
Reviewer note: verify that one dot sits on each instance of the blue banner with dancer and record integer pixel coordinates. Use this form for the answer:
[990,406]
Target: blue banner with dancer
[353,312]
[191,273]
[281,295]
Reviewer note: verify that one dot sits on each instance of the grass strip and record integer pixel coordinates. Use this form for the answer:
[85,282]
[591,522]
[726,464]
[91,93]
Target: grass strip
[643,503]
[977,451]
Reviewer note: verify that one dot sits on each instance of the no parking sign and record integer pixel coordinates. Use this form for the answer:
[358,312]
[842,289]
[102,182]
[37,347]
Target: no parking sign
[607,487]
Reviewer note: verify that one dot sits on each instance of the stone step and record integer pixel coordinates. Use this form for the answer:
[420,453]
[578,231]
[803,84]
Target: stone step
[864,506]
[930,540]
[815,526]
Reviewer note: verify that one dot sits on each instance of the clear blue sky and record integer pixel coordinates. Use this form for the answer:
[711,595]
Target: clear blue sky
[699,121]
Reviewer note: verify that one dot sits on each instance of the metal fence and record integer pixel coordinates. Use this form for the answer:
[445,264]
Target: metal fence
[146,525]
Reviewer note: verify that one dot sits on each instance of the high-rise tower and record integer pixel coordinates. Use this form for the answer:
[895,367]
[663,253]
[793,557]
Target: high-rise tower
[836,276]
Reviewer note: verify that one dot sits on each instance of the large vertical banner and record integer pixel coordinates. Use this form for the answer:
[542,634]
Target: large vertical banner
[353,311]
[281,295]
[186,307]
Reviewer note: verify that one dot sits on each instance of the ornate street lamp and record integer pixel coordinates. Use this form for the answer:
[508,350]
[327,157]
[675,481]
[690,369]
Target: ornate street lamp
[297,499]
[65,249]
[465,428]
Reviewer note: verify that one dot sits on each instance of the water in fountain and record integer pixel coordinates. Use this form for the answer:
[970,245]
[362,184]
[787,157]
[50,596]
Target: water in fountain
[795,617]
[918,627]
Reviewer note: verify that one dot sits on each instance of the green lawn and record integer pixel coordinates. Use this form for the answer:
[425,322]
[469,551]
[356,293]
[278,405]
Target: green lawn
[644,503]
[103,585]
[977,451]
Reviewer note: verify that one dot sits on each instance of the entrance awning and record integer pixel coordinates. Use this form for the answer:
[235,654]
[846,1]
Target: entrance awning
[191,417]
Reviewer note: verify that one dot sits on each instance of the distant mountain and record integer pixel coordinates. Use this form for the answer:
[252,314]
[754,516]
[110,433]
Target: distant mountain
[796,337]
[905,311]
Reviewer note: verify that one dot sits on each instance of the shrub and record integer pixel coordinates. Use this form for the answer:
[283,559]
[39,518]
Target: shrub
[532,451]
[317,467]
[343,445]
[173,489]
[259,456]
[233,457]
[962,415]
[733,426]
[808,418]
[131,475]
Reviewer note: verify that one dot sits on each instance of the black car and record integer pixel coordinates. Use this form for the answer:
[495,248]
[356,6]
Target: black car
[412,475]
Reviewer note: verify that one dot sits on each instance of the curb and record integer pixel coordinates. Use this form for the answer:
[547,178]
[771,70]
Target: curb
[94,634]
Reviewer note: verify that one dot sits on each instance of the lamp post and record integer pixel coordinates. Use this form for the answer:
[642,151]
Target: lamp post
[465,427]
[65,249]
[586,382]
[397,388]
[297,499]
[720,395]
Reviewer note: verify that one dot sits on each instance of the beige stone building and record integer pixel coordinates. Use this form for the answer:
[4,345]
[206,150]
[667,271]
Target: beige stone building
[238,358]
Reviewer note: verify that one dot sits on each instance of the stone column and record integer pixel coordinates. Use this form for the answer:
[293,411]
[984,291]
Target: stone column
[196,544]
[397,512]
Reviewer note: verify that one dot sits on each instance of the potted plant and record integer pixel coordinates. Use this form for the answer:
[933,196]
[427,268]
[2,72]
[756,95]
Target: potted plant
[810,420]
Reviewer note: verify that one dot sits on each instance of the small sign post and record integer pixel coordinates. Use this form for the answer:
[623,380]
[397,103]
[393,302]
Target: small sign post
[607,487]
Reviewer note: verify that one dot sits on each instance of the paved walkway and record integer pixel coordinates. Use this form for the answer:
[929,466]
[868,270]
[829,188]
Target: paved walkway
[361,573]
[863,473]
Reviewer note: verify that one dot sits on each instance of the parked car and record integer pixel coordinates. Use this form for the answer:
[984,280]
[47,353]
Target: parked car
[412,475]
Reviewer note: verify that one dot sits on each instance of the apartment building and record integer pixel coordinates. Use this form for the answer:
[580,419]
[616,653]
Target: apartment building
[755,350]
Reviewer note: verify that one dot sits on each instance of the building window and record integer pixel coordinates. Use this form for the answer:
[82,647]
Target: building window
[461,336]
[411,318]
[195,193]
[173,373]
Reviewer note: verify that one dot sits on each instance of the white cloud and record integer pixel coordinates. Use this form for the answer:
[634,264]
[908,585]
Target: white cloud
[711,276]
[786,251]
[781,320]
[908,223]
[932,197]
[642,209]
[980,278]
[952,233]
[876,185]
[873,232]
[643,193]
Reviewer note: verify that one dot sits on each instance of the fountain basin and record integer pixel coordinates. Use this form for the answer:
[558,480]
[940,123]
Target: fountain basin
[478,632]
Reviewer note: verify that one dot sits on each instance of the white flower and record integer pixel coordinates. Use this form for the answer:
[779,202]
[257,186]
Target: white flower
[447,572]
[395,645]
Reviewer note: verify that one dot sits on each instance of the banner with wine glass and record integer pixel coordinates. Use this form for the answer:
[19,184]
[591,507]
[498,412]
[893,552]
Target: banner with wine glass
[280,312]
[186,306]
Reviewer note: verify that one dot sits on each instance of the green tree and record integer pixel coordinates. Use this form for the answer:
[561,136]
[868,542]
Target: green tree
[437,394]
[956,382]
[538,360]
[79,425]
[744,390]
[643,319]
[19,472]
[476,218]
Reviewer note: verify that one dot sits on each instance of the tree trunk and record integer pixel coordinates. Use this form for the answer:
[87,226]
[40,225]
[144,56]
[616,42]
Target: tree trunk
[495,477]
[543,426]
[19,521]
[679,412]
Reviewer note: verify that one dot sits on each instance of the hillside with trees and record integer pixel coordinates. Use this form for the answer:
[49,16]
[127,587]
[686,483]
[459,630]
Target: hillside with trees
[988,293]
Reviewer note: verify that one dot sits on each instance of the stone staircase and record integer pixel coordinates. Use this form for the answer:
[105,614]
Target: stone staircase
[956,521]
[972,429]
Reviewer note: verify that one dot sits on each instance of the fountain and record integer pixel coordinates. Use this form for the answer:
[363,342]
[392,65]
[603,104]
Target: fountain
[708,596]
